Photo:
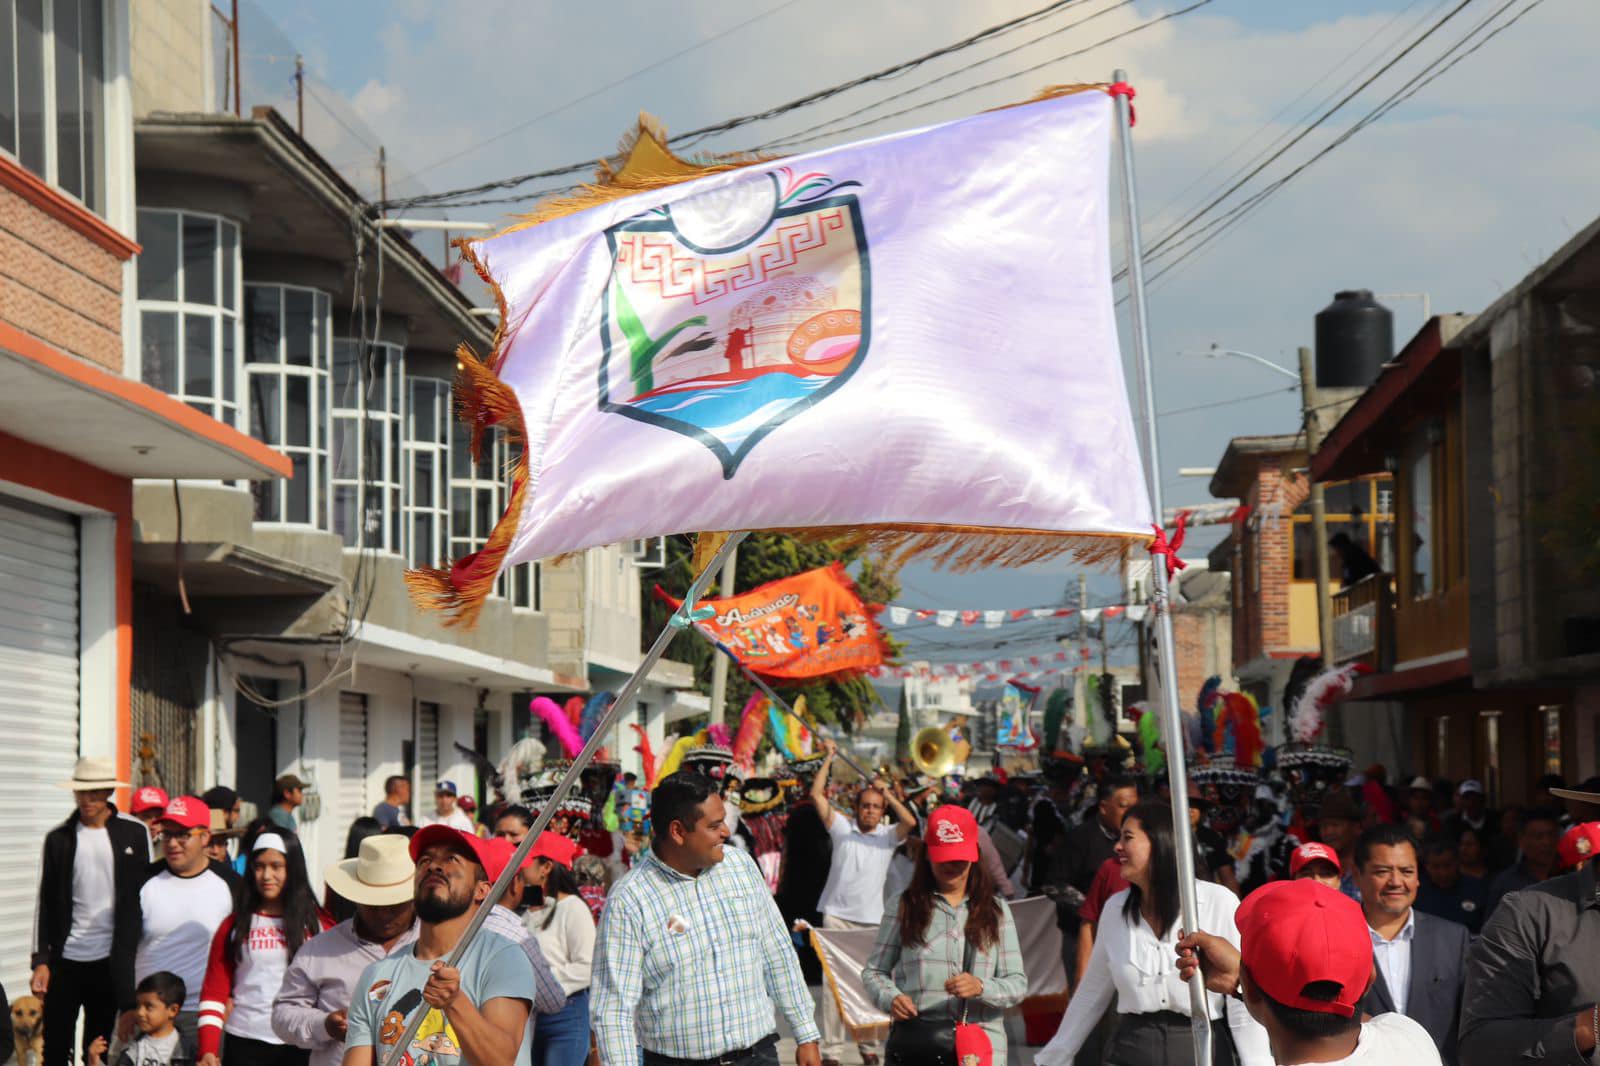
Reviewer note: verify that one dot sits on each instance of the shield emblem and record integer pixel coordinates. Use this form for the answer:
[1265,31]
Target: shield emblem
[732,311]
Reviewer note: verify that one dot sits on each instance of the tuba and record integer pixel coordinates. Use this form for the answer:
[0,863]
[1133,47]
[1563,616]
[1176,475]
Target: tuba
[932,752]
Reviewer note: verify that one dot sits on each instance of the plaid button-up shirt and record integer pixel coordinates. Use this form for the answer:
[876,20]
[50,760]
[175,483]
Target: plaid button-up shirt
[704,991]
[920,972]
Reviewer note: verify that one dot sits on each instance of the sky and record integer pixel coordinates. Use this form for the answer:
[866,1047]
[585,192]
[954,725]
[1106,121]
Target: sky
[1456,194]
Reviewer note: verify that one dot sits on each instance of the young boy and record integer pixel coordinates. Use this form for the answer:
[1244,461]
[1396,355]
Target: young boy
[160,998]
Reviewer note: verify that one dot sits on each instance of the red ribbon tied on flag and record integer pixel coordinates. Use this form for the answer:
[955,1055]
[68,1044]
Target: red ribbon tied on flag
[1122,88]
[1169,549]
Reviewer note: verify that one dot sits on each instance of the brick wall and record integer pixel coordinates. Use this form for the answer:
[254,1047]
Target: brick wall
[1203,648]
[58,285]
[1264,571]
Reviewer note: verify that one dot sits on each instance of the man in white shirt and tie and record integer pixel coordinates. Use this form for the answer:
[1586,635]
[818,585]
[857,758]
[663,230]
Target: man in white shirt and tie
[1420,960]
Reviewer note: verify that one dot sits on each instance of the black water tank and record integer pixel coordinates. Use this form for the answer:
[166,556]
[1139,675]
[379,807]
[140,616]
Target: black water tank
[1355,337]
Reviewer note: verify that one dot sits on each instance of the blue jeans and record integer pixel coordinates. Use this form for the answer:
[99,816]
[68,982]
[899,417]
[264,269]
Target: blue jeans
[562,1038]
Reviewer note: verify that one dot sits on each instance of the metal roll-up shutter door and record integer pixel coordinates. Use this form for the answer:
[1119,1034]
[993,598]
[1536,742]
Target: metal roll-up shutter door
[352,758]
[38,706]
[428,748]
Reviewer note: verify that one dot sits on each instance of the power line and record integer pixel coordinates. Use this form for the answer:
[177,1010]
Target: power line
[1172,202]
[1430,73]
[1005,77]
[1196,216]
[519,127]
[794,138]
[773,112]
[1225,403]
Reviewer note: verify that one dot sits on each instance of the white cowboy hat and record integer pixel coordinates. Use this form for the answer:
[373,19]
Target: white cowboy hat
[93,775]
[381,875]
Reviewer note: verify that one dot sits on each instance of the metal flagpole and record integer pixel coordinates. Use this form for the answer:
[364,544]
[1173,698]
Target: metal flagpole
[570,778]
[1171,722]
[780,702]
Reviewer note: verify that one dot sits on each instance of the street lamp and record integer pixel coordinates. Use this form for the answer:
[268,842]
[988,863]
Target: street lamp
[1217,352]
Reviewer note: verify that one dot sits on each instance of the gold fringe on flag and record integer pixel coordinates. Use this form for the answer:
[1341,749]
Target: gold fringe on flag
[643,163]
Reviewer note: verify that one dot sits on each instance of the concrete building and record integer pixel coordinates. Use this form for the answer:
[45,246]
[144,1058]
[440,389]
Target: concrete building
[273,631]
[77,428]
[1483,626]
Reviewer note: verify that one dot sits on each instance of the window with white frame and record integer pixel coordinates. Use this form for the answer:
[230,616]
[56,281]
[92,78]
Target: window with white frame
[368,407]
[52,92]
[477,495]
[287,341]
[427,469]
[189,309]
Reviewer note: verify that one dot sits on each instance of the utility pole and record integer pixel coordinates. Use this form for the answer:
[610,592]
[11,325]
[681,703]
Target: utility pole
[719,663]
[233,31]
[300,94]
[383,181]
[1319,513]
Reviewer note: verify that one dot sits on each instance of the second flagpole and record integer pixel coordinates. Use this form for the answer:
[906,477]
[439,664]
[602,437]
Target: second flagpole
[625,697]
[1171,720]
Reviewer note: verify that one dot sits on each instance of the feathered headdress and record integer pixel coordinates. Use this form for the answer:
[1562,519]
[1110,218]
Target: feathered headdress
[1238,730]
[1206,705]
[647,756]
[752,724]
[1309,717]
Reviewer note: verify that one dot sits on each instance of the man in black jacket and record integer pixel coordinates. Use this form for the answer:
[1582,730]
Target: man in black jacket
[88,921]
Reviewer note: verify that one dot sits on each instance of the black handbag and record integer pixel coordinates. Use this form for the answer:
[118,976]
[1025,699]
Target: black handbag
[927,1041]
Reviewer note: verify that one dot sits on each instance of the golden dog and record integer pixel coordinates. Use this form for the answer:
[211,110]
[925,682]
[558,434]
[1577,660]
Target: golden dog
[27,1026]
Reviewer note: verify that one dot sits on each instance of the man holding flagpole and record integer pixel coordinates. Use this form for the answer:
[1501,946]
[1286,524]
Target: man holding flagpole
[692,955]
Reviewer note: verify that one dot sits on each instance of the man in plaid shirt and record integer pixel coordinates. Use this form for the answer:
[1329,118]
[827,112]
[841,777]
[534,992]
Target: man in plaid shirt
[692,954]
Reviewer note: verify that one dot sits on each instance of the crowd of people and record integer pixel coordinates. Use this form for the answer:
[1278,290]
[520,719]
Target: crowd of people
[1339,920]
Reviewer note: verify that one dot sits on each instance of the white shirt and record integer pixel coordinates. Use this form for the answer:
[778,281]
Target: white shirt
[93,893]
[1389,1039]
[256,980]
[181,915]
[568,942]
[456,819]
[860,865]
[1393,958]
[1142,971]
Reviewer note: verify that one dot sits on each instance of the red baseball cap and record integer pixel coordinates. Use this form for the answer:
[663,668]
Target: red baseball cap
[497,852]
[1294,933]
[1579,843]
[557,848]
[189,812]
[952,835]
[149,798]
[1307,853]
[477,847]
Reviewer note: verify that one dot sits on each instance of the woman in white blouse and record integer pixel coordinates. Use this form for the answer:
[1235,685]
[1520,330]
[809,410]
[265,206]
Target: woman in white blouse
[1134,957]
[564,928]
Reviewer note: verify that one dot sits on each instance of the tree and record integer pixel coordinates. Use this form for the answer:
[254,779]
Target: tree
[765,557]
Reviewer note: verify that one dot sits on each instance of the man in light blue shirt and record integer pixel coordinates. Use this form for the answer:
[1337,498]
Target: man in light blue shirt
[476,1013]
[692,954]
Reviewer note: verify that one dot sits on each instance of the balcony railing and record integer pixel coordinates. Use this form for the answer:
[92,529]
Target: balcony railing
[1363,622]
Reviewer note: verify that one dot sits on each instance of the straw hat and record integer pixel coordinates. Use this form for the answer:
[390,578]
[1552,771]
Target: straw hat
[93,775]
[381,875]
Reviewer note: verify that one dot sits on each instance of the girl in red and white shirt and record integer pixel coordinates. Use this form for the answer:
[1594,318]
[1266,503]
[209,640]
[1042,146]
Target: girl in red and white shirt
[276,914]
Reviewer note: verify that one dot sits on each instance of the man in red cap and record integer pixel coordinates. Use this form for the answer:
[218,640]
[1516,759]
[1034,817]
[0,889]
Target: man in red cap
[1303,964]
[1578,845]
[147,806]
[475,1012]
[1316,862]
[549,996]
[180,907]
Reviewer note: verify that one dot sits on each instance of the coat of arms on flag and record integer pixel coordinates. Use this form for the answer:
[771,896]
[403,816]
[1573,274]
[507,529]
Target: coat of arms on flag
[730,312]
